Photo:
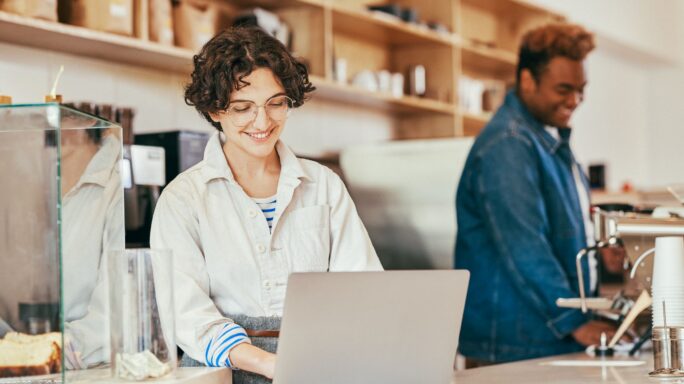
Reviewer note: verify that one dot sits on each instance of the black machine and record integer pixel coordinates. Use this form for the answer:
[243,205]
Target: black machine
[183,148]
[155,160]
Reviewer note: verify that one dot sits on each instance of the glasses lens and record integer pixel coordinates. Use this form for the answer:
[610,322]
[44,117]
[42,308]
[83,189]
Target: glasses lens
[242,113]
[278,107]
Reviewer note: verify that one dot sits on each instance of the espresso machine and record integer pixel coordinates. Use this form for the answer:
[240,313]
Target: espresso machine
[149,165]
[144,170]
[637,234]
[183,148]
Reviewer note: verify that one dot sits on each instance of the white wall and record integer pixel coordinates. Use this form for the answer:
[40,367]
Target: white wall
[649,26]
[665,138]
[630,119]
[609,127]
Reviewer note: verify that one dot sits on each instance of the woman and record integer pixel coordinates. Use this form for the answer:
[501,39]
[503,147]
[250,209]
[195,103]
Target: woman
[251,213]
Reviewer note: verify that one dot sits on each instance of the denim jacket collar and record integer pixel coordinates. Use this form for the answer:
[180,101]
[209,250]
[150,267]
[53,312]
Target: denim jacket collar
[524,116]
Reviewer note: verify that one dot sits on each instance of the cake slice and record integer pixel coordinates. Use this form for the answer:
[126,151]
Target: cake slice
[26,355]
[55,337]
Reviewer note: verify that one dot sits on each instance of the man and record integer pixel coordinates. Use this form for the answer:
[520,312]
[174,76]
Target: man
[523,211]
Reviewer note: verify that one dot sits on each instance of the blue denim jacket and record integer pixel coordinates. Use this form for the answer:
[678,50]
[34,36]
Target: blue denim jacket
[520,227]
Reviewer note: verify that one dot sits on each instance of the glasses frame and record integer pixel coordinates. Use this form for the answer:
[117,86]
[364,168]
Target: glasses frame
[232,117]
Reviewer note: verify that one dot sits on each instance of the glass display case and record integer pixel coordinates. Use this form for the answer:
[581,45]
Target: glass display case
[61,213]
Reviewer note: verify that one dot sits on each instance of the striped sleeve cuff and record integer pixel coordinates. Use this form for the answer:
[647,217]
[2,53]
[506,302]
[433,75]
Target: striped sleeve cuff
[219,347]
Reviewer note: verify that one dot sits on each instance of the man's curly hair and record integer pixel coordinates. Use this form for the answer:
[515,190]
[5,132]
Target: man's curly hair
[542,44]
[229,57]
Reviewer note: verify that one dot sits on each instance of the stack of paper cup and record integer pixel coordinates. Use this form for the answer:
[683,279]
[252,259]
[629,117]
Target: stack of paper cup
[668,282]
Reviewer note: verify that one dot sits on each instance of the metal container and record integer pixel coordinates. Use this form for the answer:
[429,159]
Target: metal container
[677,349]
[668,352]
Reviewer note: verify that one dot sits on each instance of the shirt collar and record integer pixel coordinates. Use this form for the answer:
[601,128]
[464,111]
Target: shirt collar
[550,141]
[217,165]
[100,168]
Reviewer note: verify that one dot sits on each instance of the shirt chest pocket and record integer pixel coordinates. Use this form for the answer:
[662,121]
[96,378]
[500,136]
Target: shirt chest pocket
[306,239]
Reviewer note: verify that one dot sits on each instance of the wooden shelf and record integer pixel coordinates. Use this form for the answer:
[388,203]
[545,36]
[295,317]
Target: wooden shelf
[350,94]
[383,28]
[474,122]
[493,62]
[506,7]
[128,50]
[368,40]
[85,42]
[276,3]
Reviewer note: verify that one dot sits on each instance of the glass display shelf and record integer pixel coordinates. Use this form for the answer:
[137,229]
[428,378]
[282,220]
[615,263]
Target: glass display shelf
[61,212]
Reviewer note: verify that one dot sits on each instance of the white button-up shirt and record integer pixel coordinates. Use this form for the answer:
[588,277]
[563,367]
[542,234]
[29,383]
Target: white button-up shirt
[583,195]
[92,226]
[226,259]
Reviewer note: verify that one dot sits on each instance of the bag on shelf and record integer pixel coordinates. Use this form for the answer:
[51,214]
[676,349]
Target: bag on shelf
[39,9]
[194,23]
[114,16]
[161,21]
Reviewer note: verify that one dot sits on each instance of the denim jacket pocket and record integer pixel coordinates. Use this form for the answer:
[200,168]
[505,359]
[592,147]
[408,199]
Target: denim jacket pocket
[307,240]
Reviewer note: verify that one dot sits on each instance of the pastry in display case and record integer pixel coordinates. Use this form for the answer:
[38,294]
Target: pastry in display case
[61,214]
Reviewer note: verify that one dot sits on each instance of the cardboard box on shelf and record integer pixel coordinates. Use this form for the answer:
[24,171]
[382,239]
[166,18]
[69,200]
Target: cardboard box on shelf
[40,9]
[114,16]
[194,23]
[161,21]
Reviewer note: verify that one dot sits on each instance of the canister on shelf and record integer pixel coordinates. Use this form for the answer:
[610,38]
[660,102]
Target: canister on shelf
[384,80]
[417,80]
[341,70]
[397,85]
[4,99]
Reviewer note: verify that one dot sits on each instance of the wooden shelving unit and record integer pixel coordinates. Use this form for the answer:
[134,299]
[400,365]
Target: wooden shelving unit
[489,37]
[94,44]
[496,63]
[481,43]
[405,105]
[474,122]
[384,28]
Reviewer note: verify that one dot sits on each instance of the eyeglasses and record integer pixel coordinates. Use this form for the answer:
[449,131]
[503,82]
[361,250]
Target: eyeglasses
[242,113]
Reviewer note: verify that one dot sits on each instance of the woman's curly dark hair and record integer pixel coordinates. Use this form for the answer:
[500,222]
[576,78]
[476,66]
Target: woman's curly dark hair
[224,62]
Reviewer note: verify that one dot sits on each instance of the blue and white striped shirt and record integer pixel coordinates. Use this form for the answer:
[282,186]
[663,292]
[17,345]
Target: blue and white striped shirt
[268,207]
[219,347]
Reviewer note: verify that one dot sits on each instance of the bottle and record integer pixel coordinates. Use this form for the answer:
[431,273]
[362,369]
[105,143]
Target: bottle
[416,83]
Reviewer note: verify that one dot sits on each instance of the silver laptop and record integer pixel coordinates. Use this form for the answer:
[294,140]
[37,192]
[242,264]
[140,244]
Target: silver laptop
[371,327]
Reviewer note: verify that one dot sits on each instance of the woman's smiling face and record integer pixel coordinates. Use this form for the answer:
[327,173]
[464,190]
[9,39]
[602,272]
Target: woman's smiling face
[256,114]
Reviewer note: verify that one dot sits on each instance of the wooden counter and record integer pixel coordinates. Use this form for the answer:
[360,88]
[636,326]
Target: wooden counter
[195,375]
[542,371]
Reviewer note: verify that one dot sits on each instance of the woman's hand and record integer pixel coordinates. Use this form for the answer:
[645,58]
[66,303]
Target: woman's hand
[253,359]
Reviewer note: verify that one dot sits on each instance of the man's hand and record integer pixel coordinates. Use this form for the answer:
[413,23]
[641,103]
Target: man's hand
[613,259]
[590,333]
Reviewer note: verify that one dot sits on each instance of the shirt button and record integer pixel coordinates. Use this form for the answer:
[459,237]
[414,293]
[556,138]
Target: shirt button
[267,284]
[261,248]
[252,213]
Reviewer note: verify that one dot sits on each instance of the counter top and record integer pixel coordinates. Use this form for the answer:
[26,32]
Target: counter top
[565,369]
[186,375]
[194,375]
